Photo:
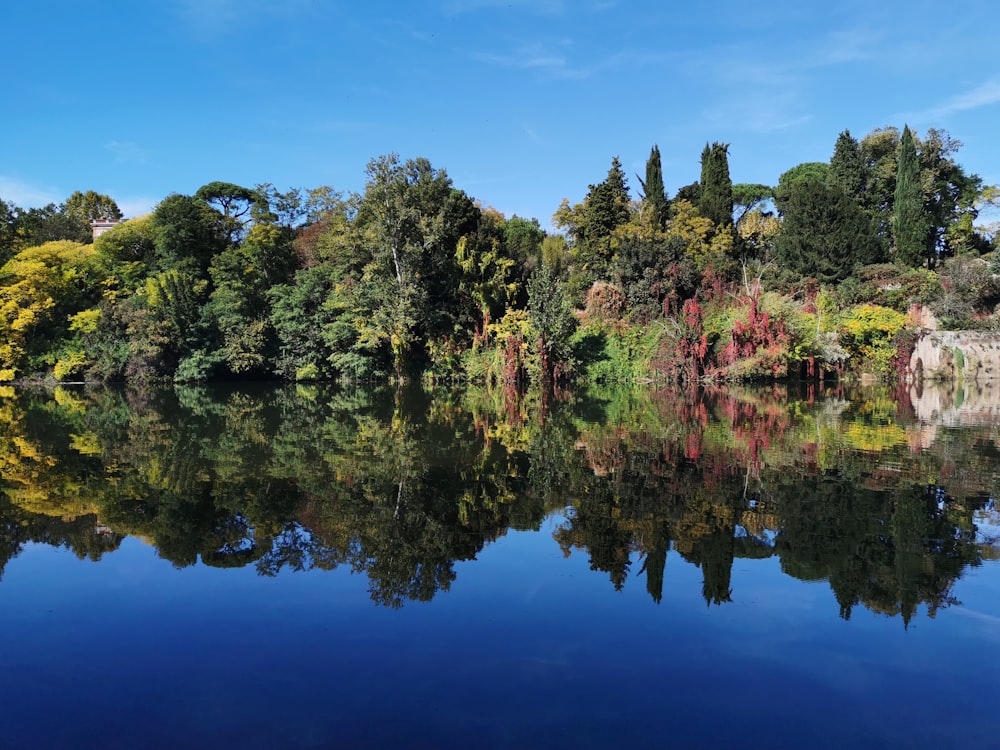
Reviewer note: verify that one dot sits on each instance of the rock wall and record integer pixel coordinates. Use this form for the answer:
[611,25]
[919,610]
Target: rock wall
[969,356]
[954,404]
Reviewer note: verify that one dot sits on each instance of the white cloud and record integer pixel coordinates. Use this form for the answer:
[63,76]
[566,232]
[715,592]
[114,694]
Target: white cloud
[848,46]
[538,7]
[546,59]
[23,195]
[544,7]
[532,133]
[983,95]
[554,60]
[127,152]
[209,19]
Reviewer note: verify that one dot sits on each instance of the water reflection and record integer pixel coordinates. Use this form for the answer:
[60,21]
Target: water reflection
[878,494]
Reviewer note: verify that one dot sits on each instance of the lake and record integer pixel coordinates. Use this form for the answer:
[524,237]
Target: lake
[305,566]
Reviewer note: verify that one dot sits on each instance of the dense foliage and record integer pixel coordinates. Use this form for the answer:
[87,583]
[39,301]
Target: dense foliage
[415,278]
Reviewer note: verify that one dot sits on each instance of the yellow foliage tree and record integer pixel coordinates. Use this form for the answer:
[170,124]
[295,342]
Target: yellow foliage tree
[758,230]
[703,245]
[39,287]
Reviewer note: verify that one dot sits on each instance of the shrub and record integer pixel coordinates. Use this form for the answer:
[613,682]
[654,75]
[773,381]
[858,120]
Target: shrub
[895,287]
[867,332]
[69,363]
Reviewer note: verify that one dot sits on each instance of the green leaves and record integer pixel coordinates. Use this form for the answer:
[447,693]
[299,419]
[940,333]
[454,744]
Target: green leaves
[825,233]
[553,321]
[716,200]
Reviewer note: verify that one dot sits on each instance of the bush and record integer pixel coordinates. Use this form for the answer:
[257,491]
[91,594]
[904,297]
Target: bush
[970,291]
[867,332]
[895,287]
[69,363]
[605,302]
[198,367]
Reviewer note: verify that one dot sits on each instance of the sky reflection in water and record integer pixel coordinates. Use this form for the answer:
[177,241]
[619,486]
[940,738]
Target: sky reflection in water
[752,568]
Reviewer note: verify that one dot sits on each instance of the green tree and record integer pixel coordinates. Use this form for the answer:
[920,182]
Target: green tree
[412,219]
[824,233]
[125,251]
[239,303]
[286,209]
[300,316]
[655,195]
[8,230]
[523,240]
[716,199]
[553,322]
[951,196]
[847,166]
[850,173]
[749,202]
[187,233]
[50,223]
[237,205]
[812,171]
[488,274]
[83,208]
[554,253]
[748,196]
[911,226]
[879,151]
[42,289]
[592,224]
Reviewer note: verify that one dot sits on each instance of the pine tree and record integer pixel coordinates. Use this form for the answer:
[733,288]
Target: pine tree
[655,199]
[824,233]
[849,173]
[911,226]
[606,207]
[847,167]
[716,200]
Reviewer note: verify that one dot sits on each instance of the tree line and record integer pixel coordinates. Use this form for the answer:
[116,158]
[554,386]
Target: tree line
[412,277]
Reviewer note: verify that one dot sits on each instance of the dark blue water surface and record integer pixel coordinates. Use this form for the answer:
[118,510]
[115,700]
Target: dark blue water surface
[305,569]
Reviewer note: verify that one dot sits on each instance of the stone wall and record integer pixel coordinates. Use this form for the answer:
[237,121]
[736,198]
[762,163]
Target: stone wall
[969,356]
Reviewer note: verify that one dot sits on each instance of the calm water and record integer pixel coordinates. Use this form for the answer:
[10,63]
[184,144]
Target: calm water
[309,567]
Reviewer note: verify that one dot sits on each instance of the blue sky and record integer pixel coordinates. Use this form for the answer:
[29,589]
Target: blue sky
[522,102]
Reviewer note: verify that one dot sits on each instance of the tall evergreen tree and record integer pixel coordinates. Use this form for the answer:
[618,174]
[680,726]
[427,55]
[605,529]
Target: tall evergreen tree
[655,199]
[607,204]
[911,226]
[849,173]
[824,233]
[847,166]
[812,171]
[716,200]
[592,223]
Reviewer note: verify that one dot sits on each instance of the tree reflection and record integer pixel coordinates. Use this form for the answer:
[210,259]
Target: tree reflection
[398,486]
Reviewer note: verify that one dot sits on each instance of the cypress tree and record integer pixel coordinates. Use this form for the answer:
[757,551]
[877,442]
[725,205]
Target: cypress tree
[716,200]
[656,196]
[911,226]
